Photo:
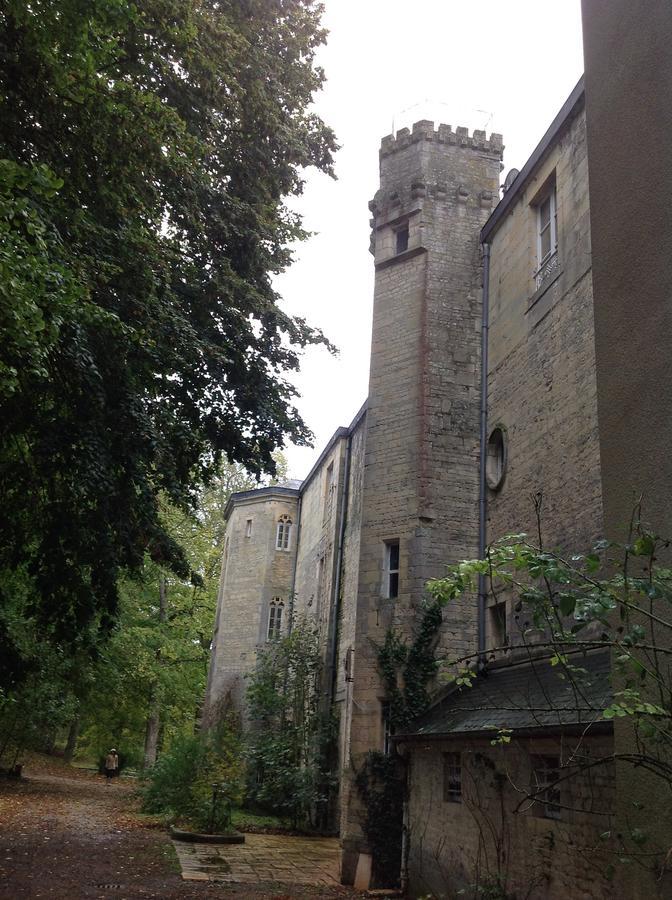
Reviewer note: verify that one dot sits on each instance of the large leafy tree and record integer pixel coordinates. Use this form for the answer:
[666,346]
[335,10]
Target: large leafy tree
[146,150]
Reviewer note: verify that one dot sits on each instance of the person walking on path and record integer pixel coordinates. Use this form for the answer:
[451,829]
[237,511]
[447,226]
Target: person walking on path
[111,764]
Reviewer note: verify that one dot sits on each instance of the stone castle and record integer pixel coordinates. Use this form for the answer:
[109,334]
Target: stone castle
[488,383]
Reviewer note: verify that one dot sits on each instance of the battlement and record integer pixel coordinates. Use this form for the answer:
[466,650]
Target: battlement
[424,131]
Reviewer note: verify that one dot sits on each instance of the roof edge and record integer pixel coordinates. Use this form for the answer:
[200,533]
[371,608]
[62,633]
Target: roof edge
[537,156]
[259,492]
[599,726]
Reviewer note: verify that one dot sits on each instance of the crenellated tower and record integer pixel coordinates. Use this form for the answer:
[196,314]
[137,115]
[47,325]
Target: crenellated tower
[420,479]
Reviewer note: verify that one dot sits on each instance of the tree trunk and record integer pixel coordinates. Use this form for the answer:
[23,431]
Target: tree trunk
[152,730]
[154,706]
[73,735]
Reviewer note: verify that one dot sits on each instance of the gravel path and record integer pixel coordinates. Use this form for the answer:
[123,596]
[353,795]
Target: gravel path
[70,835]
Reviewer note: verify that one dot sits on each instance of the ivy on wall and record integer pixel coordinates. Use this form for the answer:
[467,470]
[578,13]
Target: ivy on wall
[407,669]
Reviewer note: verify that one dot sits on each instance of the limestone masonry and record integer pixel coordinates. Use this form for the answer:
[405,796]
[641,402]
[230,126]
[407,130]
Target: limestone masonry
[394,496]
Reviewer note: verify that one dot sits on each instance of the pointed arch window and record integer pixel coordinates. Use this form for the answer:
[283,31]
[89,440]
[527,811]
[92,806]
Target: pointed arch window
[276,610]
[283,533]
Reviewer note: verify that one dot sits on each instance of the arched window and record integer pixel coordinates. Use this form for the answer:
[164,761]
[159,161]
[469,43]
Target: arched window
[283,534]
[275,611]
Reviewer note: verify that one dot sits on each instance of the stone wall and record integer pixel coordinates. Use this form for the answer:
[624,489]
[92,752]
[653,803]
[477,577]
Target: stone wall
[542,387]
[346,660]
[628,89]
[253,572]
[318,537]
[542,377]
[494,832]
[420,479]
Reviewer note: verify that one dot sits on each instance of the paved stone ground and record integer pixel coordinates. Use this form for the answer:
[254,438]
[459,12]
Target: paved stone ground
[262,858]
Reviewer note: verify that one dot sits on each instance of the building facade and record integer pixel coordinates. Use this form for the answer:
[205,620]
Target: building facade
[394,497]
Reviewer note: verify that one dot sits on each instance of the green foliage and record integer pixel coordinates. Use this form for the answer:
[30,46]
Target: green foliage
[285,755]
[407,669]
[180,784]
[146,153]
[576,607]
[109,691]
[381,785]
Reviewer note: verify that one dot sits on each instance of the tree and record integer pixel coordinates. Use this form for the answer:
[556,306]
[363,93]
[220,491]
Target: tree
[287,731]
[147,151]
[148,684]
[142,688]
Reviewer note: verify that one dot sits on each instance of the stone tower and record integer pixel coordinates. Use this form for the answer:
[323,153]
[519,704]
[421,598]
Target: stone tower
[255,588]
[420,479]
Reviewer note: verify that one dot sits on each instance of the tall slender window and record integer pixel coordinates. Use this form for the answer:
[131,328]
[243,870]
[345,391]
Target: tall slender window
[452,777]
[275,610]
[329,489]
[391,570]
[283,534]
[547,218]
[545,786]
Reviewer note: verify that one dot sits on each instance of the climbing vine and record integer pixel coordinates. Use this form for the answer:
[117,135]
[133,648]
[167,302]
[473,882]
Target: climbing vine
[407,669]
[381,784]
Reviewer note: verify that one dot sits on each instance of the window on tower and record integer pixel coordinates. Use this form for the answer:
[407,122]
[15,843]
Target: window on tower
[275,610]
[283,533]
[391,570]
[401,235]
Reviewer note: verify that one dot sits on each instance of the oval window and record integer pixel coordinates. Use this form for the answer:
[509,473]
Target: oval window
[495,463]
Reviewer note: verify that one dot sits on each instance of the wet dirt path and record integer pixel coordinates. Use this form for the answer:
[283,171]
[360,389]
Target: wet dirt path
[70,835]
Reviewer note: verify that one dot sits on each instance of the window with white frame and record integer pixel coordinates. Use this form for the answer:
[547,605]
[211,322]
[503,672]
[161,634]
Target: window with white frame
[391,570]
[547,227]
[546,211]
[283,534]
[452,777]
[545,787]
[275,610]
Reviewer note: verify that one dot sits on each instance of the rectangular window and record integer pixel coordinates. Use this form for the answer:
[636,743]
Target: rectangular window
[547,227]
[387,726]
[546,212]
[452,777]
[248,528]
[498,626]
[391,574]
[401,236]
[545,774]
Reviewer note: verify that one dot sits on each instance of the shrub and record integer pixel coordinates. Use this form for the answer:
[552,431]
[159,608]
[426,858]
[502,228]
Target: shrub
[180,784]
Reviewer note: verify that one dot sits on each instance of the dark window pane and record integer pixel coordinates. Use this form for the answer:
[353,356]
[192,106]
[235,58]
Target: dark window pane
[402,240]
[394,585]
[394,557]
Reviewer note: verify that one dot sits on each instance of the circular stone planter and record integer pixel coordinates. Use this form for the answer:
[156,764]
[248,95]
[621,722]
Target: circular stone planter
[196,837]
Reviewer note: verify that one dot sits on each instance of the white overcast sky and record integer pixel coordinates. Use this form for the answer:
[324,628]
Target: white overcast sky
[502,65]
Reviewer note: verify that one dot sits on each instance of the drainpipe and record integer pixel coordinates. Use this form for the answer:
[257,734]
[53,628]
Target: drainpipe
[296,560]
[336,600]
[482,487]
